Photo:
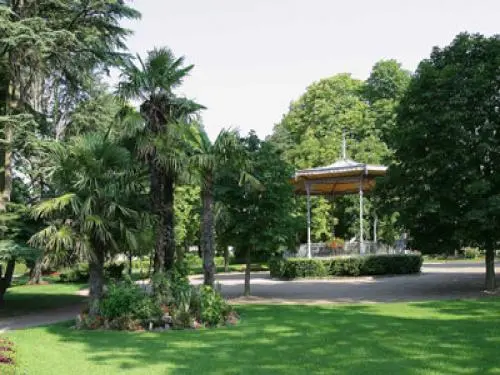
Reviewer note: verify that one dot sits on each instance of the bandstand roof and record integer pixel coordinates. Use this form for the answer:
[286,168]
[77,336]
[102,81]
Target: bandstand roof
[342,177]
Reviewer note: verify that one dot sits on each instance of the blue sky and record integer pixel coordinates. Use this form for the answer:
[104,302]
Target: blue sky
[253,57]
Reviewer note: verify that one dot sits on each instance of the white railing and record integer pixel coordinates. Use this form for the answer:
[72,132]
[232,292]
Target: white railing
[323,250]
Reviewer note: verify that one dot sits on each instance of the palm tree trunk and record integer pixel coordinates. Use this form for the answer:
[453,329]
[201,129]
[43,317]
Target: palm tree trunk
[207,240]
[6,279]
[490,281]
[169,221]
[157,188]
[130,262]
[96,280]
[248,262]
[36,271]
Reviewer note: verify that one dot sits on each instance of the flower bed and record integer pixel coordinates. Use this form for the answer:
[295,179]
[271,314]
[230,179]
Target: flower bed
[7,357]
[172,304]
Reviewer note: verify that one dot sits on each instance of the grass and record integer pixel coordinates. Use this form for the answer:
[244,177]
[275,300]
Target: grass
[23,299]
[446,337]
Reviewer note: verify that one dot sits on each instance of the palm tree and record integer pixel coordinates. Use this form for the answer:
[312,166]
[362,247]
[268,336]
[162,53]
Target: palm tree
[159,138]
[92,213]
[209,158]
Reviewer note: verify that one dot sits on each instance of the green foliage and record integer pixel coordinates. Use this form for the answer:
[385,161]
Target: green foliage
[387,80]
[259,213]
[345,266]
[445,182]
[76,274]
[310,135]
[213,308]
[114,270]
[472,253]
[127,300]
[187,304]
[187,208]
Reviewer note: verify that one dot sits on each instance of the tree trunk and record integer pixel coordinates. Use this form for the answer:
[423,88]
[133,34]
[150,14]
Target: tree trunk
[490,282]
[36,272]
[156,194]
[130,262]
[96,280]
[6,279]
[169,221]
[6,167]
[226,259]
[207,239]
[247,271]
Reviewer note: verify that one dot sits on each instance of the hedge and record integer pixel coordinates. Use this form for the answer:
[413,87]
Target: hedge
[345,266]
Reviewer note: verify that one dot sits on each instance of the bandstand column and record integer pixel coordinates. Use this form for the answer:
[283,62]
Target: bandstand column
[308,193]
[361,243]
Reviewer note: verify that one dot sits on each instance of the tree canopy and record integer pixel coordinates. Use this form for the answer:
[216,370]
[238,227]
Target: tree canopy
[447,148]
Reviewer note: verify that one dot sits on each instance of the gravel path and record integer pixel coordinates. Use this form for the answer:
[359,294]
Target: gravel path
[437,281]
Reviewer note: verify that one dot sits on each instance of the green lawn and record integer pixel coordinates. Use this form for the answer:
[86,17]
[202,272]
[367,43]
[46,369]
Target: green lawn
[23,299]
[449,337]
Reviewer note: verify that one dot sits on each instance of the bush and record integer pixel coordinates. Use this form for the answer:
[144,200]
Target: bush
[195,263]
[80,273]
[114,270]
[345,266]
[472,253]
[300,267]
[213,308]
[127,301]
[76,274]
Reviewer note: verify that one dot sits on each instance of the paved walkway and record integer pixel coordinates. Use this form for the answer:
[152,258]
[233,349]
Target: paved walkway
[437,281]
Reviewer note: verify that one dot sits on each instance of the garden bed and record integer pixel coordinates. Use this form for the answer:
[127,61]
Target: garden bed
[292,268]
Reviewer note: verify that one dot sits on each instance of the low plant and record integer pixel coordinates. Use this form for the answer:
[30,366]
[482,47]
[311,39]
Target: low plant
[213,308]
[171,303]
[126,299]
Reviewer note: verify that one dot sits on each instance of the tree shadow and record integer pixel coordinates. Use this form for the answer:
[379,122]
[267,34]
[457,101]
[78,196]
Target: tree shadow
[29,299]
[415,338]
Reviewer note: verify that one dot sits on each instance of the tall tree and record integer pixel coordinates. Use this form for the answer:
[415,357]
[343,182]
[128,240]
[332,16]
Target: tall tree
[261,213]
[310,135]
[95,207]
[209,159]
[447,144]
[159,141]
[387,81]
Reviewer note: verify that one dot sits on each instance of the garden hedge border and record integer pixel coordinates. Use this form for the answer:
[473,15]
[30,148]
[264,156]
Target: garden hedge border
[292,268]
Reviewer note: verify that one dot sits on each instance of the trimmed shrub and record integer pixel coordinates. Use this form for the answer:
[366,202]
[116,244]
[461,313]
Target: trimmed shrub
[277,267]
[300,267]
[346,266]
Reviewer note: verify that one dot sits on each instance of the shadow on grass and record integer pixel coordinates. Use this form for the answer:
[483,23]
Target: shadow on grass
[448,337]
[21,300]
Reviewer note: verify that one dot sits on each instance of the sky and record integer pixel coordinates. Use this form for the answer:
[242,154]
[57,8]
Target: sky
[253,57]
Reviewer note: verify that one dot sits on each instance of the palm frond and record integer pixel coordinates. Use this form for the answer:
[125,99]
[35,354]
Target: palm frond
[55,205]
